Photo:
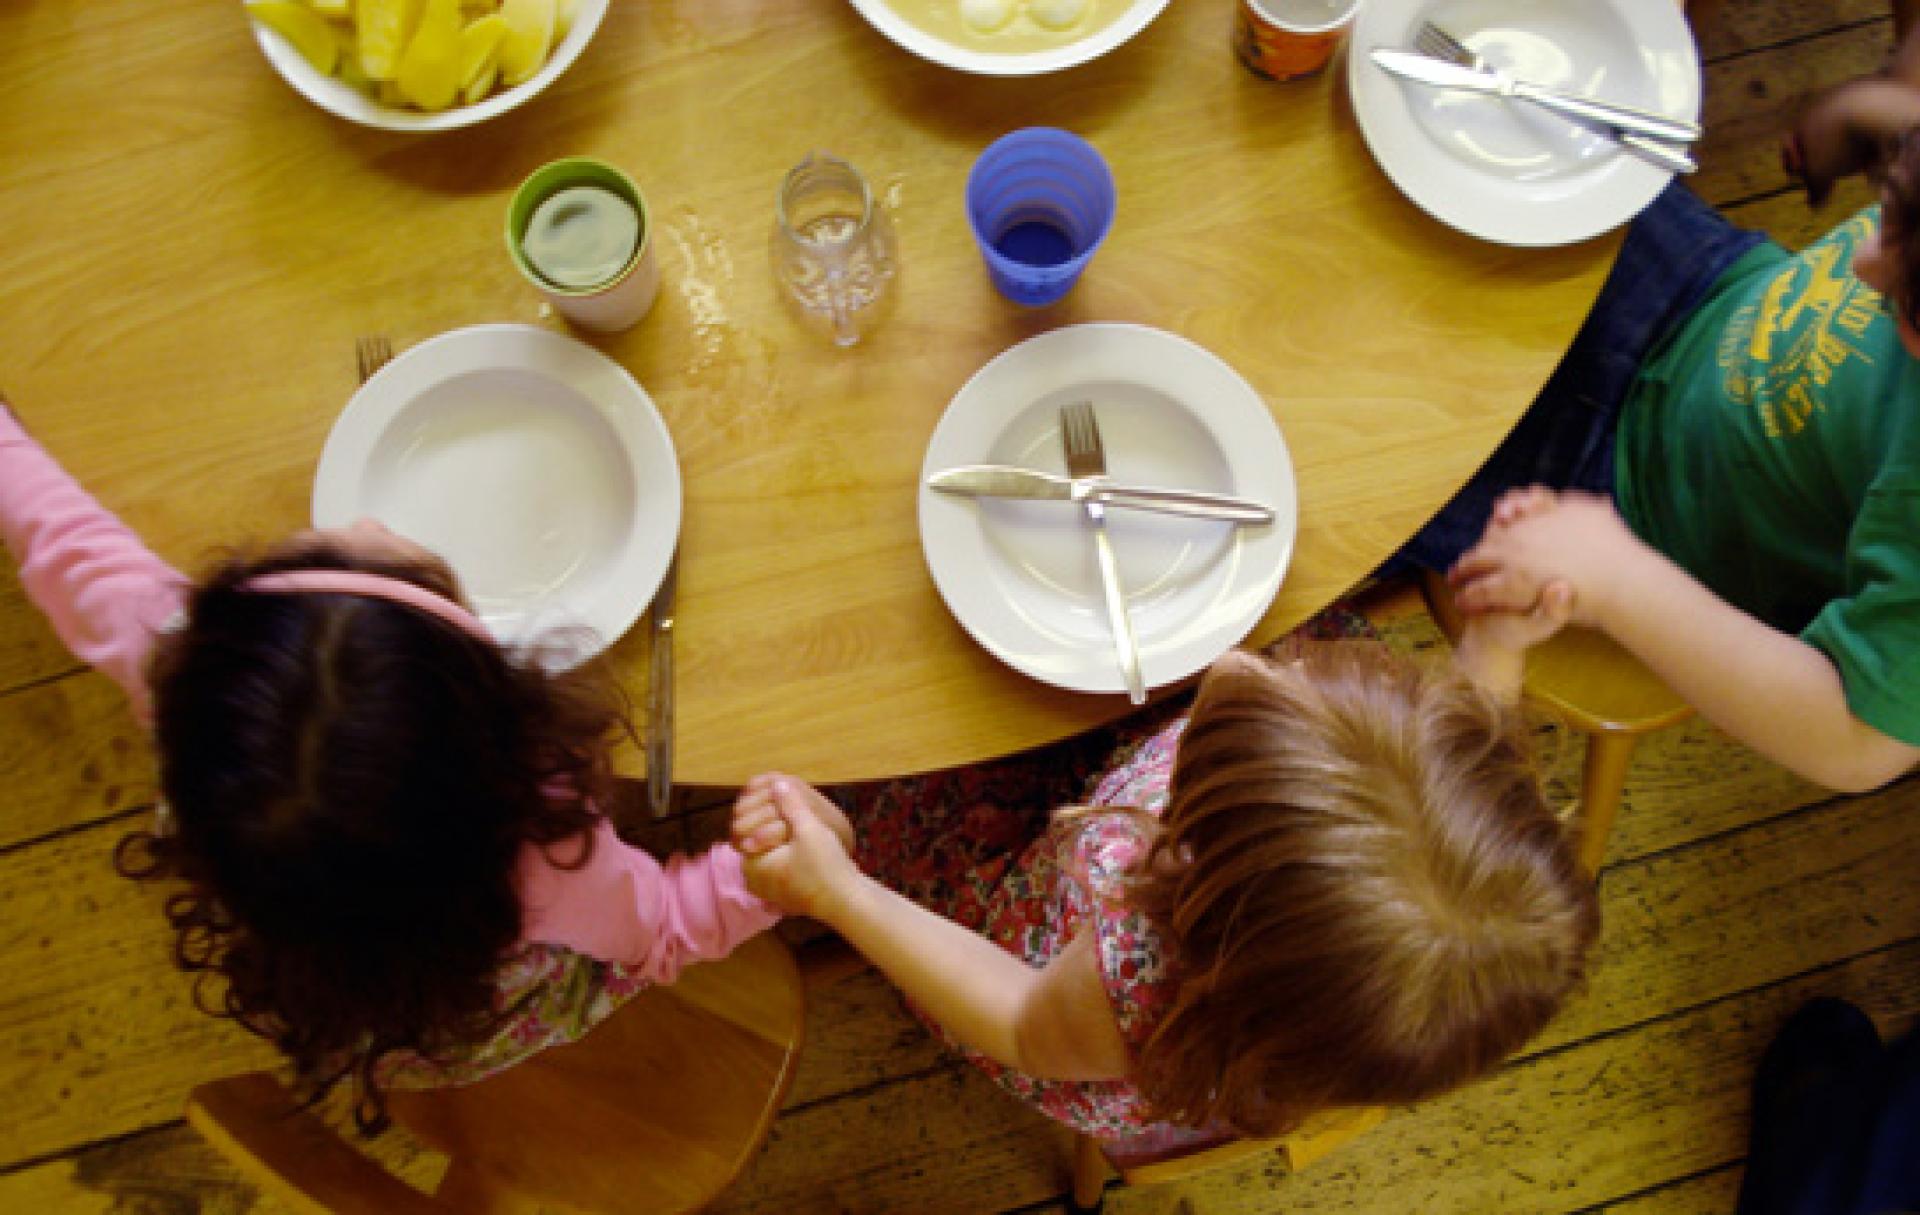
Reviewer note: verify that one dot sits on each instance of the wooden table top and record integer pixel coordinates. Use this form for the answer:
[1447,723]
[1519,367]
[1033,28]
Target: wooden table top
[194,248]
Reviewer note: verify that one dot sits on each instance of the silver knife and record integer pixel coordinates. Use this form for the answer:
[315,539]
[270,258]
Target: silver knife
[660,696]
[1441,74]
[1007,481]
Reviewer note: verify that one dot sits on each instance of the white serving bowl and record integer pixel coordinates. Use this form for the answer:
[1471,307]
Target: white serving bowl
[338,97]
[911,37]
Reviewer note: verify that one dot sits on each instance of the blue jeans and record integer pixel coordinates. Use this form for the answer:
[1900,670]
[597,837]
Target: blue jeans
[1675,250]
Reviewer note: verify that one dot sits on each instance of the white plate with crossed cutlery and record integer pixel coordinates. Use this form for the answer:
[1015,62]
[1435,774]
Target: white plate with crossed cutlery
[1199,502]
[1527,122]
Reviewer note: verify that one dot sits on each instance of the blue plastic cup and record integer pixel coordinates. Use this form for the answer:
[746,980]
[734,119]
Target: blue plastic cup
[1040,201]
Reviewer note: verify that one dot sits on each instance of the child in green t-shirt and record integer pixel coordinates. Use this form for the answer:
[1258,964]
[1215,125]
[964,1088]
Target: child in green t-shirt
[1744,511]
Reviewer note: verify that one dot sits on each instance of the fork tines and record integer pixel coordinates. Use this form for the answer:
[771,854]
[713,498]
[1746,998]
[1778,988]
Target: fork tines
[1085,456]
[1434,41]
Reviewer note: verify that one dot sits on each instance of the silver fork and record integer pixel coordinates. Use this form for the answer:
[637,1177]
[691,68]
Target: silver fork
[1086,457]
[1432,40]
[371,352]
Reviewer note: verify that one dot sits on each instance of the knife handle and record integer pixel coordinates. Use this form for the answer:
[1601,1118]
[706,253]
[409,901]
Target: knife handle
[1192,502]
[1668,157]
[1125,647]
[1625,118]
[660,720]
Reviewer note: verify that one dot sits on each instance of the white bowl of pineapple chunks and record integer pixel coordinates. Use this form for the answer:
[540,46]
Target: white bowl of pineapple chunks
[422,65]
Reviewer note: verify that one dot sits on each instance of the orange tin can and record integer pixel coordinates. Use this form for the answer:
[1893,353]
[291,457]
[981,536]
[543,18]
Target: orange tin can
[1282,39]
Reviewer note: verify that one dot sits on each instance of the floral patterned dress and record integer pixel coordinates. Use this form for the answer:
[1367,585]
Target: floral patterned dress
[984,847]
[549,994]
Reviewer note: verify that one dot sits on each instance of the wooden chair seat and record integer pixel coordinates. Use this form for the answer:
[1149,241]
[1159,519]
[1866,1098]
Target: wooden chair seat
[656,1110]
[1153,1159]
[1598,688]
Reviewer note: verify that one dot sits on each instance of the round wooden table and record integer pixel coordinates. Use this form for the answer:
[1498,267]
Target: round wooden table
[193,249]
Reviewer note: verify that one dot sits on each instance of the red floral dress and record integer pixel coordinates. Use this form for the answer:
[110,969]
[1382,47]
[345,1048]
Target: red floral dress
[984,847]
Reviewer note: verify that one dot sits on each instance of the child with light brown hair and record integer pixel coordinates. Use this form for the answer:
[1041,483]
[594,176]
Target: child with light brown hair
[1336,882]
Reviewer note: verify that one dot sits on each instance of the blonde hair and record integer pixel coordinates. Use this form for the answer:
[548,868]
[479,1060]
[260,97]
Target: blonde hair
[1367,894]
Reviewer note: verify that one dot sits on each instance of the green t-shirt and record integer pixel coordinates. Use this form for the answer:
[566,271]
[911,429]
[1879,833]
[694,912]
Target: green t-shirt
[1771,447]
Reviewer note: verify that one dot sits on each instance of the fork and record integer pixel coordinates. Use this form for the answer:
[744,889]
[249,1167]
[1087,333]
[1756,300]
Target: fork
[371,352]
[1087,457]
[1432,40]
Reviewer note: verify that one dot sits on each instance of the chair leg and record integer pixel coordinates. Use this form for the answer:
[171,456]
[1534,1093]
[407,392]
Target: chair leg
[1089,1176]
[1601,786]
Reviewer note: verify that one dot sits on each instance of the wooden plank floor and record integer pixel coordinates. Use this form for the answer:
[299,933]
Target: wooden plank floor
[1733,892]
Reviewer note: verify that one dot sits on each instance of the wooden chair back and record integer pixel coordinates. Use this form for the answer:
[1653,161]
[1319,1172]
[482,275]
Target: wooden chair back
[655,1111]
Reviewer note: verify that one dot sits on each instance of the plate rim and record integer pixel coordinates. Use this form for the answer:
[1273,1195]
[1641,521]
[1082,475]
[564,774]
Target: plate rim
[1380,108]
[339,474]
[342,100]
[911,38]
[1274,547]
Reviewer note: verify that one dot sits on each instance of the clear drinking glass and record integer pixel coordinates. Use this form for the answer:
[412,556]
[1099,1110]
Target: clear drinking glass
[832,247]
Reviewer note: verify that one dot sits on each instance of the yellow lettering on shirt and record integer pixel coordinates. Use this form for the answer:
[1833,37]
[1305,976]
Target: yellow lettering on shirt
[1809,322]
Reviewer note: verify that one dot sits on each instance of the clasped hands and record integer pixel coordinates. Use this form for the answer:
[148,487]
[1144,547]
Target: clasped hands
[794,844]
[1546,556]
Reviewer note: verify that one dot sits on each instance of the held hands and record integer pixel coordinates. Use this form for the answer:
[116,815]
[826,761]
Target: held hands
[794,844]
[1549,557]
[1848,130]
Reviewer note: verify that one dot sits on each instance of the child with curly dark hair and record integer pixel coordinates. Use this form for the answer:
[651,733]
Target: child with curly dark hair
[395,866]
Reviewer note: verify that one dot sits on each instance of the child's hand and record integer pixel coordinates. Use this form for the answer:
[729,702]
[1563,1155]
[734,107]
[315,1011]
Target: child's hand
[1846,131]
[757,826]
[1518,632]
[1536,538]
[808,869]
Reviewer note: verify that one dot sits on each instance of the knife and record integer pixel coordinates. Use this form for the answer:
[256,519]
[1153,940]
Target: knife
[1441,74]
[1006,481]
[660,696]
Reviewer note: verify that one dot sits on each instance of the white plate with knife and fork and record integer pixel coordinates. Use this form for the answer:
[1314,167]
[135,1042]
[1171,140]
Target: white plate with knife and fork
[1503,169]
[1019,573]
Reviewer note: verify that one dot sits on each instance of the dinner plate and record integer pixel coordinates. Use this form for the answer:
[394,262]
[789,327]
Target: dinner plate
[924,42]
[535,465]
[1507,171]
[1020,576]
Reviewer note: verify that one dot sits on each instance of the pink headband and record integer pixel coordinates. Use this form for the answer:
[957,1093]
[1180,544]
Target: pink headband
[373,586]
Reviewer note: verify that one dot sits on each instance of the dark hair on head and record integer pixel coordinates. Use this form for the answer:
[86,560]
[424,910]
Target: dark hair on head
[350,783]
[1368,897]
[1899,178]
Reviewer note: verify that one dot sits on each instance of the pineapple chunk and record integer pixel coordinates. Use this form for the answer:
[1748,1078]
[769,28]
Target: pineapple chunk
[305,29]
[529,36]
[479,48]
[482,84]
[429,71]
[339,10]
[385,28]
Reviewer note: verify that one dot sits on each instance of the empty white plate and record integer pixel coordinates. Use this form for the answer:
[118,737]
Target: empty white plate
[535,465]
[1505,170]
[1021,577]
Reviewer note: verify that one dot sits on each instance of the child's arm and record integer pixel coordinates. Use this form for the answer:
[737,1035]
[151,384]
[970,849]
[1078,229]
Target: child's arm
[105,592]
[625,906]
[1769,689]
[1848,128]
[1493,645]
[1053,1023]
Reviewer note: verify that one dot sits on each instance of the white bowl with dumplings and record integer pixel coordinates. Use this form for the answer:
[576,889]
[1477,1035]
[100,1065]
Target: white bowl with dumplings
[1009,37]
[290,46]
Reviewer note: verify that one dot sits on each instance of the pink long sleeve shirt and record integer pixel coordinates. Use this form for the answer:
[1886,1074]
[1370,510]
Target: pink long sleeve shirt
[108,595]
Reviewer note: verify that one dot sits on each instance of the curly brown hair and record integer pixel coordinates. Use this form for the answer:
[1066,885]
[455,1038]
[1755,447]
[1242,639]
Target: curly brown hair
[1368,896]
[350,784]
